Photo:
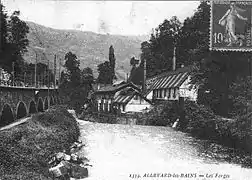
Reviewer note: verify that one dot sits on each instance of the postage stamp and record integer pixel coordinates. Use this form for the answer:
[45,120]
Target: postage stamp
[230,25]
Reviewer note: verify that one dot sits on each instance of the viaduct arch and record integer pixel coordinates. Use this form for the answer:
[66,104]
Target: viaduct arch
[19,102]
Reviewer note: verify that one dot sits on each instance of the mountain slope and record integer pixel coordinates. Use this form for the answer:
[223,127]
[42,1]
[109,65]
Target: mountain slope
[91,48]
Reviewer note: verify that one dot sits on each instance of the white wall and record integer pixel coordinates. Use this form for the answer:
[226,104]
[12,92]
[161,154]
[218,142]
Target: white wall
[137,105]
[150,95]
[186,92]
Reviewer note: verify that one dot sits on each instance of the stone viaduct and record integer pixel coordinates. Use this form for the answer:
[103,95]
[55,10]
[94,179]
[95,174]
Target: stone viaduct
[19,102]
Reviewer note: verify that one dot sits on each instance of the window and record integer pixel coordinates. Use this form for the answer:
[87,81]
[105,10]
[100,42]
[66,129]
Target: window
[109,108]
[169,93]
[175,93]
[163,93]
[172,93]
[100,107]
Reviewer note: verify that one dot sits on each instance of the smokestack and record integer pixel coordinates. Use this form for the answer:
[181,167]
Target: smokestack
[174,59]
[144,77]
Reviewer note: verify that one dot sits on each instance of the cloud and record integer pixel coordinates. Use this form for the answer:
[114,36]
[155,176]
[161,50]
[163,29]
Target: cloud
[114,17]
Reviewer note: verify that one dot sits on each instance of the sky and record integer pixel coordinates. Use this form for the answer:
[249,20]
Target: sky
[113,17]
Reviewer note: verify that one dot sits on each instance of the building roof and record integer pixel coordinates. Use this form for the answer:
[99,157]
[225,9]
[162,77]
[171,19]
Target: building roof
[123,99]
[126,97]
[116,87]
[171,79]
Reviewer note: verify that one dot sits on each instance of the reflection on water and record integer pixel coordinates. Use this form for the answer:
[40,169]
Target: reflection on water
[116,151]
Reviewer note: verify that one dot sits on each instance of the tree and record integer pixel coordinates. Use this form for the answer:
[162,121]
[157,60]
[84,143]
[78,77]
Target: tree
[112,60]
[87,75]
[18,36]
[136,73]
[133,62]
[87,78]
[107,69]
[17,43]
[193,39]
[158,51]
[63,79]
[105,73]
[74,83]
[3,30]
[73,69]
[241,96]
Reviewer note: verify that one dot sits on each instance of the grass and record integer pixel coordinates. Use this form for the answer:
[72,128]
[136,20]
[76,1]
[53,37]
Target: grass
[26,149]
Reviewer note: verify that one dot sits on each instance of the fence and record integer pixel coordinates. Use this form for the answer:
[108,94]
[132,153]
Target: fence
[27,80]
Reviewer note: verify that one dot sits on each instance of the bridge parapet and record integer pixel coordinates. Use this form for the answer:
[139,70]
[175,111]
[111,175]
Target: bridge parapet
[29,87]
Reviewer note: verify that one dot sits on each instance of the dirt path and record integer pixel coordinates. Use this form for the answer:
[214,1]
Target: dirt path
[20,121]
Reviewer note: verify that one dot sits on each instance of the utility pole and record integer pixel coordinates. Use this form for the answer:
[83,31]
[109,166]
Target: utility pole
[0,27]
[144,77]
[174,59]
[35,74]
[55,71]
[13,78]
[1,76]
[48,84]
[44,78]
[59,70]
[25,79]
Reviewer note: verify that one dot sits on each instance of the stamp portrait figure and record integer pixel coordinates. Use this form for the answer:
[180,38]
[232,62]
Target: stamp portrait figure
[229,22]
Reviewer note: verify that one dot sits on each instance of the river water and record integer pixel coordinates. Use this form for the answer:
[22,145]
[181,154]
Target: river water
[123,152]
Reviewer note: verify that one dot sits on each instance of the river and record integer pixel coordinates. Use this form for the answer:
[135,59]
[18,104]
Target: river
[123,152]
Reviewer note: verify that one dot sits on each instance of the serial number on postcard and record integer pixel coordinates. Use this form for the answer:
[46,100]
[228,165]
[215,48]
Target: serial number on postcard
[209,176]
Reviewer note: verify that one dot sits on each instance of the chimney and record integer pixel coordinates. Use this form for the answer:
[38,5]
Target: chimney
[126,77]
[174,59]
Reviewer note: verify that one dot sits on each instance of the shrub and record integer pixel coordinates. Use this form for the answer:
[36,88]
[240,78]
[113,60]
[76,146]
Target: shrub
[241,131]
[26,149]
[162,114]
[234,133]
[201,121]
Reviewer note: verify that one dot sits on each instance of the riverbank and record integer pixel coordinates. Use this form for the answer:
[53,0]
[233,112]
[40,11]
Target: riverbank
[27,148]
[200,122]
